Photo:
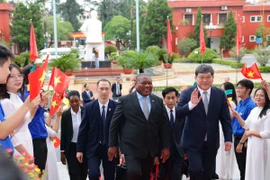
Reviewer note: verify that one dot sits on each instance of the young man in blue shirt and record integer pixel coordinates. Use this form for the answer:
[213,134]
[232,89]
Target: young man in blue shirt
[8,125]
[245,105]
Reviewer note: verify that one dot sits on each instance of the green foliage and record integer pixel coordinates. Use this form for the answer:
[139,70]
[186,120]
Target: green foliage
[161,54]
[208,56]
[75,51]
[264,69]
[110,49]
[125,60]
[169,59]
[154,50]
[20,31]
[186,45]
[66,62]
[262,55]
[241,53]
[143,60]
[70,10]
[154,24]
[113,56]
[64,29]
[118,28]
[22,59]
[196,34]
[3,42]
[227,40]
[184,22]
[228,63]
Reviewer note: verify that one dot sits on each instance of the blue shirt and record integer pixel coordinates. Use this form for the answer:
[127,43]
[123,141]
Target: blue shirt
[5,144]
[37,125]
[140,98]
[243,108]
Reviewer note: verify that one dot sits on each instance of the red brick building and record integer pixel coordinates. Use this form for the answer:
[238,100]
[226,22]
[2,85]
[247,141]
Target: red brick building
[215,13]
[5,20]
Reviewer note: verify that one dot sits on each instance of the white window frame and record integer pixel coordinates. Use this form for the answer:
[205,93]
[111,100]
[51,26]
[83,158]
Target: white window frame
[243,39]
[256,19]
[251,37]
[268,18]
[218,17]
[176,41]
[243,19]
[192,23]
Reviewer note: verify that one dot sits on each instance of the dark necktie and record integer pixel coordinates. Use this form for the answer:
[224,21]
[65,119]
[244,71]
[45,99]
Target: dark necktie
[103,116]
[171,118]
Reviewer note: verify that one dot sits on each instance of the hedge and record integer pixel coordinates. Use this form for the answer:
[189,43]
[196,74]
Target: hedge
[228,63]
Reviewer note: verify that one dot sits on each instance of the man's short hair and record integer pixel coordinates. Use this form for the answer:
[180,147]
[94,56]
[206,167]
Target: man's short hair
[5,54]
[168,90]
[73,93]
[247,84]
[204,68]
[103,80]
[85,85]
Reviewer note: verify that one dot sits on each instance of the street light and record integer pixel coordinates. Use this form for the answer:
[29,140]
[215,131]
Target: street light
[211,27]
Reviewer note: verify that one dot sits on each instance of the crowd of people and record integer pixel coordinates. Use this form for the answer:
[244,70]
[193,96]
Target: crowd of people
[205,126]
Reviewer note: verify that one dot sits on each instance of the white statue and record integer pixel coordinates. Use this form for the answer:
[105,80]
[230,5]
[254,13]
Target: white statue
[92,29]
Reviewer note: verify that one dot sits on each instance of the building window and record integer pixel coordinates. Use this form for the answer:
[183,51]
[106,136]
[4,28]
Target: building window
[268,37]
[255,18]
[243,19]
[189,17]
[206,19]
[243,39]
[176,41]
[222,18]
[252,38]
[268,18]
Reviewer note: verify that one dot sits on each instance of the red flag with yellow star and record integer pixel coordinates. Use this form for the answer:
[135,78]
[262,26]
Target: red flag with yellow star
[36,79]
[56,103]
[56,141]
[59,81]
[252,72]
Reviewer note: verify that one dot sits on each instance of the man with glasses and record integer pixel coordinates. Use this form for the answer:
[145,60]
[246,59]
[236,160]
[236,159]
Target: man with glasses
[207,106]
[245,105]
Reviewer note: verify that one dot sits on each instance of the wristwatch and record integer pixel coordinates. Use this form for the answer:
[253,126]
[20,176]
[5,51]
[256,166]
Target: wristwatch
[241,142]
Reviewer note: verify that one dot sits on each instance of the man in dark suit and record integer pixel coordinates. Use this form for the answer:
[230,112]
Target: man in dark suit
[70,122]
[117,89]
[87,94]
[94,132]
[172,167]
[200,138]
[140,122]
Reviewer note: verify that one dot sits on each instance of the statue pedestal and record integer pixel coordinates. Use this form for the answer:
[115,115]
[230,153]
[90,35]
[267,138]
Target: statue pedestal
[90,56]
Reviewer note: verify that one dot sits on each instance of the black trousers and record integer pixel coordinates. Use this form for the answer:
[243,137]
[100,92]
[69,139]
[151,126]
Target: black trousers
[201,163]
[139,169]
[240,157]
[40,153]
[172,167]
[76,170]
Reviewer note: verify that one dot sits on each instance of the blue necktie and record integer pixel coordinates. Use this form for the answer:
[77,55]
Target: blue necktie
[171,118]
[103,116]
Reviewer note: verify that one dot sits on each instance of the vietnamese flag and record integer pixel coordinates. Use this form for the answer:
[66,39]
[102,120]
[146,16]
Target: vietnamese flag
[238,36]
[56,103]
[59,81]
[33,44]
[202,41]
[56,141]
[36,81]
[252,72]
[169,38]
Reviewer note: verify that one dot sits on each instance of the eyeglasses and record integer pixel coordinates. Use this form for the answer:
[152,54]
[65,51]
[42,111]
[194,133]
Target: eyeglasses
[18,76]
[207,78]
[240,88]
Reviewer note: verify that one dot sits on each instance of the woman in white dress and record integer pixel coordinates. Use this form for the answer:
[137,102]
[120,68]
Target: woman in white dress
[258,131]
[10,100]
[225,161]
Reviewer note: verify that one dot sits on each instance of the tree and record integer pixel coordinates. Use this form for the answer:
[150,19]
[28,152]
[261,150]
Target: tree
[186,45]
[262,55]
[64,29]
[261,32]
[227,41]
[154,24]
[196,35]
[239,56]
[20,31]
[69,11]
[118,28]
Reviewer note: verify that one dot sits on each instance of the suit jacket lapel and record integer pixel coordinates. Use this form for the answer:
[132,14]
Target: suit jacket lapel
[70,123]
[109,112]
[137,104]
[153,104]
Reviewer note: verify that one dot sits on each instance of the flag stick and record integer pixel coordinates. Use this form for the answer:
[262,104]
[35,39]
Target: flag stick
[237,63]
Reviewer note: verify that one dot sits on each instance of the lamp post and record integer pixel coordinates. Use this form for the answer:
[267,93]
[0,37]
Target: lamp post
[211,27]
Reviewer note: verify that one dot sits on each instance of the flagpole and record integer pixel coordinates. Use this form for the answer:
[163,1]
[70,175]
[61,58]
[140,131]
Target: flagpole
[237,63]
[55,29]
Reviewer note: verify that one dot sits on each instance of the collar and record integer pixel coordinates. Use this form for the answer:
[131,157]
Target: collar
[243,102]
[201,91]
[106,104]
[73,113]
[141,97]
[169,110]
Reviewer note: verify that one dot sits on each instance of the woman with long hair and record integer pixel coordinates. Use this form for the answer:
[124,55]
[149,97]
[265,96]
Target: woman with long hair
[10,100]
[257,127]
[225,161]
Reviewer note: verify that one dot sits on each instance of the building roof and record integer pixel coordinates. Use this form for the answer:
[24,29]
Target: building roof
[6,6]
[257,7]
[205,3]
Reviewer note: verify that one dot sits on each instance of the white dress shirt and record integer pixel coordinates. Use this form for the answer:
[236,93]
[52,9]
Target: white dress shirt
[106,108]
[169,112]
[76,121]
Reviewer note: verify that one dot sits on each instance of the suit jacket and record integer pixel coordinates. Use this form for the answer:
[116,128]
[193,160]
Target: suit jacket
[67,129]
[139,136]
[92,127]
[85,97]
[114,89]
[197,123]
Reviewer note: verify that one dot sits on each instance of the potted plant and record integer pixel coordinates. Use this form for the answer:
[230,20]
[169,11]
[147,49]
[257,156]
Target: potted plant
[168,60]
[155,50]
[66,63]
[109,50]
[161,54]
[112,57]
[126,62]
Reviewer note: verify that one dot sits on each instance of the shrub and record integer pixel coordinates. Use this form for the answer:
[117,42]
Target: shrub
[264,69]
[240,56]
[186,45]
[228,63]
[110,49]
[208,56]
[262,55]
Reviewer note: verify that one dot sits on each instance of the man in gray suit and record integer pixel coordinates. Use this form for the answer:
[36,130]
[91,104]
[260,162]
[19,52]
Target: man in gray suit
[141,123]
